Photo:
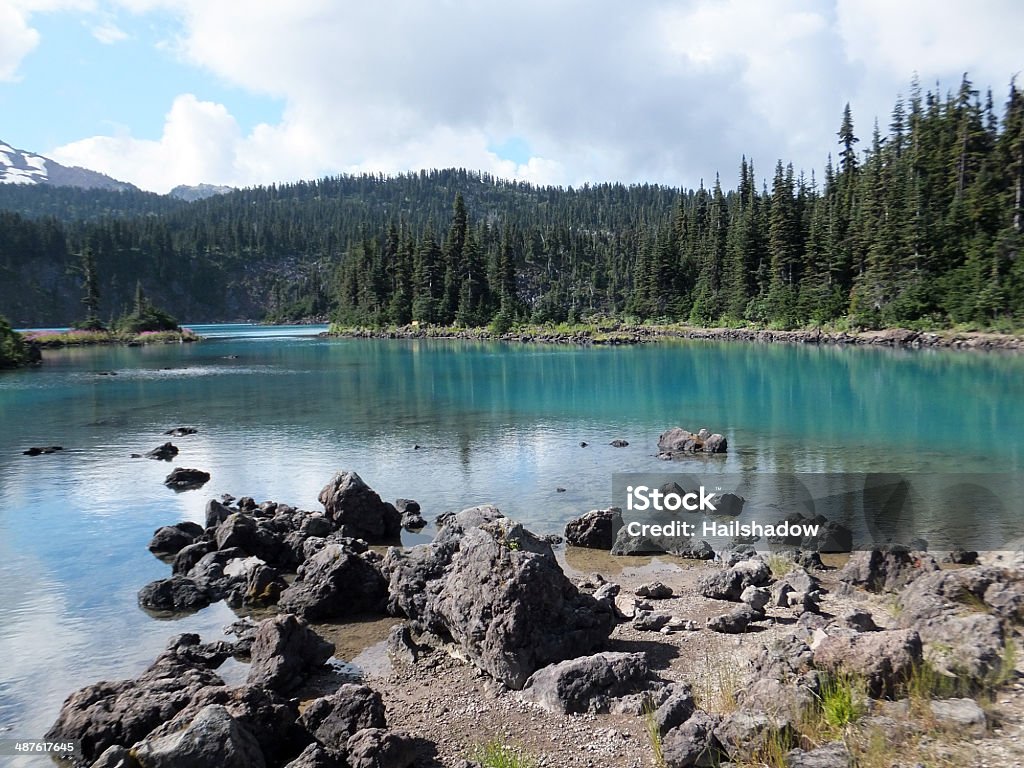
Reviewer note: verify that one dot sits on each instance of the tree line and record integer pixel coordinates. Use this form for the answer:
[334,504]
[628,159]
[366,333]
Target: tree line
[919,222]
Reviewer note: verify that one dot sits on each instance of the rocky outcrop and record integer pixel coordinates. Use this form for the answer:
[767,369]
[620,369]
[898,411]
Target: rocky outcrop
[594,530]
[497,592]
[333,720]
[587,683]
[678,441]
[171,539]
[213,738]
[357,511]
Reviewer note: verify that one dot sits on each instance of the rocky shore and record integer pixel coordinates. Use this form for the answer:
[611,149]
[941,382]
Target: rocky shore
[494,649]
[618,334]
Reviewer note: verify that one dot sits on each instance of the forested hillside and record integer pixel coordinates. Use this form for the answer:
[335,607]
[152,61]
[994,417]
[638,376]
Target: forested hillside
[916,222]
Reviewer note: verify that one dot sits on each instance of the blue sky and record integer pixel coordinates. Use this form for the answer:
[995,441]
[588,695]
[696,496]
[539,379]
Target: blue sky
[162,92]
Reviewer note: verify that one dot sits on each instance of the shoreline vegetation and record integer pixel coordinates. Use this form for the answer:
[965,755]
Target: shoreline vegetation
[613,333]
[82,338]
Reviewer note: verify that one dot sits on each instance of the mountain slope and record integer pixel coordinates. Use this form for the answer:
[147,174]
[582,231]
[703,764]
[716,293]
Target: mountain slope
[20,167]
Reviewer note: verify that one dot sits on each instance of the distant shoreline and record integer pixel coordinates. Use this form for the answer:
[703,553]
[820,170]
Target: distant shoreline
[614,335]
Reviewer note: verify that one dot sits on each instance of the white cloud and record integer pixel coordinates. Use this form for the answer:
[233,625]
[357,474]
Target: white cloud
[108,33]
[17,40]
[653,90]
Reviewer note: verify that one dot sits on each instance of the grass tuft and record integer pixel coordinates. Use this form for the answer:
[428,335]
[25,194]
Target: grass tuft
[497,754]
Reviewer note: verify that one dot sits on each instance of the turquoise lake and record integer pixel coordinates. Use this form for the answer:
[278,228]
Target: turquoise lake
[450,424]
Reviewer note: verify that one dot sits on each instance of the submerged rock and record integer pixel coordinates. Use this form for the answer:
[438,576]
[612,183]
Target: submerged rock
[184,479]
[165,452]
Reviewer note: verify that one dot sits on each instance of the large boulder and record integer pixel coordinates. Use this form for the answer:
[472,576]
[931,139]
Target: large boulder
[214,739]
[358,511]
[587,683]
[693,744]
[186,479]
[884,659]
[335,582]
[497,591]
[285,652]
[594,530]
[380,748]
[241,531]
[106,714]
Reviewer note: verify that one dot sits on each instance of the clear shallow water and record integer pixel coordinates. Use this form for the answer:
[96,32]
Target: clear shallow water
[279,410]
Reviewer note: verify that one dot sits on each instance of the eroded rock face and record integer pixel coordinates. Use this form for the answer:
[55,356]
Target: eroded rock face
[588,683]
[594,530]
[497,591]
[335,582]
[285,651]
[357,511]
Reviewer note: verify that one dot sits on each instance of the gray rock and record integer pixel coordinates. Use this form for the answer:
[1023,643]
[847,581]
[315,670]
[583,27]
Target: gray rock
[171,539]
[648,621]
[675,710]
[186,479]
[285,652]
[189,556]
[693,744]
[788,700]
[176,594]
[214,739]
[358,511]
[886,569]
[595,530]
[729,583]
[961,715]
[744,734]
[243,532]
[333,720]
[756,597]
[884,659]
[734,622]
[858,620]
[618,443]
[116,757]
[379,748]
[654,590]
[106,714]
[831,755]
[164,452]
[335,582]
[314,756]
[216,513]
[588,683]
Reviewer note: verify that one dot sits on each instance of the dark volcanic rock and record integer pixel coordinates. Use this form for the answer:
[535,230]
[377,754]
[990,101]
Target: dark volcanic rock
[380,748]
[358,511]
[42,451]
[693,744]
[619,443]
[885,569]
[183,479]
[240,531]
[164,452]
[333,720]
[121,713]
[594,530]
[171,539]
[588,683]
[181,431]
[178,593]
[729,583]
[736,621]
[213,738]
[498,592]
[884,659]
[285,652]
[216,513]
[335,582]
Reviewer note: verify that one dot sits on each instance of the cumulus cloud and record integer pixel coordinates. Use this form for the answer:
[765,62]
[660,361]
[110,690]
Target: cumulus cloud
[651,90]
